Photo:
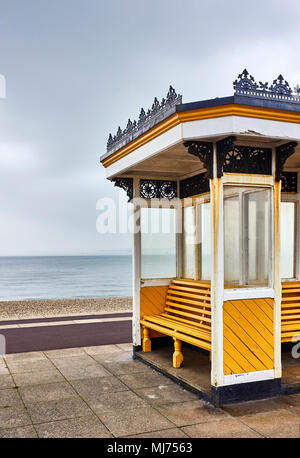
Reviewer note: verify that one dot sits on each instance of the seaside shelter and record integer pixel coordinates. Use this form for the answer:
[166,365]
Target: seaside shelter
[214,188]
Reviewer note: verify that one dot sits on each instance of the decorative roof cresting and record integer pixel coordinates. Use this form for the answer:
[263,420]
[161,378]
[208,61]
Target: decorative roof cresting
[159,111]
[280,91]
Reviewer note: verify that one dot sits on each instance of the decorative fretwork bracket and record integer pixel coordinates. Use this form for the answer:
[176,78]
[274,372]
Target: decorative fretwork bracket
[158,189]
[197,184]
[224,146]
[283,152]
[126,184]
[289,182]
[204,151]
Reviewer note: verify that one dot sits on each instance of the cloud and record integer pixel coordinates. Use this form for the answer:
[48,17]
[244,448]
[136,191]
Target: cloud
[76,70]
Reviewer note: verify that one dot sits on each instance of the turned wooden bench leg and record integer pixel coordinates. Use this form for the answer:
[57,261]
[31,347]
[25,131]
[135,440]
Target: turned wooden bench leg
[177,355]
[146,340]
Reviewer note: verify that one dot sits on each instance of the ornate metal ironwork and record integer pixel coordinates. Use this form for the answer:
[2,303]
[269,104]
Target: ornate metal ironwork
[289,182]
[283,152]
[158,189]
[126,184]
[198,184]
[242,159]
[204,151]
[224,148]
[158,112]
[245,85]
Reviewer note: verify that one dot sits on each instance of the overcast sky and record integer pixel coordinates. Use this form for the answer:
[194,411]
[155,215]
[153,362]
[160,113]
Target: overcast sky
[76,69]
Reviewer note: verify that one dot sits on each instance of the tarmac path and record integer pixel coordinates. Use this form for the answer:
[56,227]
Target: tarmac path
[43,334]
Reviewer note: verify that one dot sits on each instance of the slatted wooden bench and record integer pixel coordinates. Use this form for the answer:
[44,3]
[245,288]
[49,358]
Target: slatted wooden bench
[290,312]
[186,317]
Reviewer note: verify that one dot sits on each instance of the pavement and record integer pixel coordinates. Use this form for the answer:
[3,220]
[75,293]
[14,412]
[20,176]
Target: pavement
[100,391]
[36,334]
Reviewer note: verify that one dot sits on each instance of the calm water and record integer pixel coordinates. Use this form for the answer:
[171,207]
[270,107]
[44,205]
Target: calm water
[63,277]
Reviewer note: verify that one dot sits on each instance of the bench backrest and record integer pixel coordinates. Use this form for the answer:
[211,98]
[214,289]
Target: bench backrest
[290,311]
[188,301]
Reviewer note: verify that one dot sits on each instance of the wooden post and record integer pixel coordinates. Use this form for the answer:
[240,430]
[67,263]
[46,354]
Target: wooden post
[136,267]
[217,276]
[177,355]
[276,273]
[146,340]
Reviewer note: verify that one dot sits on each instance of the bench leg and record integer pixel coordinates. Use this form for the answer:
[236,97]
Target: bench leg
[177,355]
[146,340]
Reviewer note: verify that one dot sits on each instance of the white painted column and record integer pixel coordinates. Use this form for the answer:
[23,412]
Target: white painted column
[217,276]
[276,273]
[136,263]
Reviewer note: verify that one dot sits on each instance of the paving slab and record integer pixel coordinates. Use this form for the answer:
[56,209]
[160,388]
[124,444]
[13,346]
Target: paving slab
[38,378]
[84,427]
[91,389]
[10,397]
[147,379]
[114,402]
[47,392]
[101,349]
[14,416]
[29,356]
[45,412]
[126,346]
[113,357]
[65,352]
[134,421]
[172,433]
[103,392]
[191,412]
[3,370]
[255,407]
[6,381]
[19,366]
[125,367]
[166,394]
[82,360]
[227,428]
[24,432]
[78,373]
[283,424]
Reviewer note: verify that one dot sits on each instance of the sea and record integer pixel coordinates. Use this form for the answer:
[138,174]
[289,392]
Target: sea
[69,277]
[64,277]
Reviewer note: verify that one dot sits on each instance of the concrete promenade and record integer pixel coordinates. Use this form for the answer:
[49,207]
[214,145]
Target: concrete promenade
[99,391]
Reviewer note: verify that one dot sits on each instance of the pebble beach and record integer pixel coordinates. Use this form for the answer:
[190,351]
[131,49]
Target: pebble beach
[12,310]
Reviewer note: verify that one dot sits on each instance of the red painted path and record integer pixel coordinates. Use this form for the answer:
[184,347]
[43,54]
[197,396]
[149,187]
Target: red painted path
[42,338]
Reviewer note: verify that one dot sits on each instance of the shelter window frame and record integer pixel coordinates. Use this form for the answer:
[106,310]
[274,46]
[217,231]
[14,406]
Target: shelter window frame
[292,199]
[164,205]
[194,202]
[260,182]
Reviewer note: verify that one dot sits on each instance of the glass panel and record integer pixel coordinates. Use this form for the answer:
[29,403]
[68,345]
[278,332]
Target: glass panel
[189,248]
[232,240]
[158,242]
[205,241]
[287,239]
[247,235]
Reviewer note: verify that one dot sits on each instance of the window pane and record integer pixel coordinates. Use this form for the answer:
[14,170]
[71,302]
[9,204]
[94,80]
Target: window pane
[287,239]
[231,240]
[189,248]
[247,226]
[158,242]
[205,241]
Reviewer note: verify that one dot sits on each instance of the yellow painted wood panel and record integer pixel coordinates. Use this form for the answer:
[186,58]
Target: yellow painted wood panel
[248,336]
[152,300]
[290,311]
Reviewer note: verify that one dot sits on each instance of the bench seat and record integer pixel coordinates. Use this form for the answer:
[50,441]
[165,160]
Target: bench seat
[186,317]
